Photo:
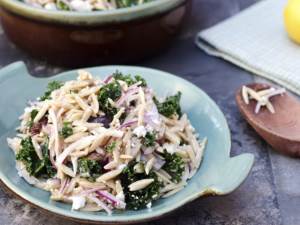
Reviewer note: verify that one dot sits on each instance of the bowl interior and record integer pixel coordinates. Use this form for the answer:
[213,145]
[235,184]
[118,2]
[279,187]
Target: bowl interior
[91,18]
[218,174]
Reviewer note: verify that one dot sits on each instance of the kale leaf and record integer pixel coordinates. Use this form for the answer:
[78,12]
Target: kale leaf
[53,85]
[170,106]
[111,91]
[66,130]
[47,170]
[139,199]
[34,166]
[111,147]
[174,166]
[89,168]
[62,6]
[139,78]
[149,139]
[28,155]
[126,78]
[33,114]
[129,79]
[128,3]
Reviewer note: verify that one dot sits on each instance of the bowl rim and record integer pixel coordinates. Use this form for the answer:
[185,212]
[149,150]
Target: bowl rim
[91,18]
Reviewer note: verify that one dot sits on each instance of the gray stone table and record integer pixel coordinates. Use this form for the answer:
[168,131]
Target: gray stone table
[270,195]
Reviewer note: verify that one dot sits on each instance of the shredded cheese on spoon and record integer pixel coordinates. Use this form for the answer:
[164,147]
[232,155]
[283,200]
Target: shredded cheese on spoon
[262,97]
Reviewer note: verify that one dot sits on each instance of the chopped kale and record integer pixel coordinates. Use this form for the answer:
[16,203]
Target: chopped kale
[111,91]
[53,85]
[34,166]
[174,166]
[33,114]
[111,147]
[139,199]
[149,139]
[28,155]
[109,110]
[89,168]
[62,6]
[170,106]
[139,78]
[129,79]
[129,3]
[126,78]
[47,165]
[66,130]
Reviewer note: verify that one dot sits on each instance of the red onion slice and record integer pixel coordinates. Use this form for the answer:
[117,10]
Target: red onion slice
[90,191]
[125,96]
[159,163]
[101,204]
[64,185]
[107,79]
[152,117]
[112,199]
[128,123]
[148,150]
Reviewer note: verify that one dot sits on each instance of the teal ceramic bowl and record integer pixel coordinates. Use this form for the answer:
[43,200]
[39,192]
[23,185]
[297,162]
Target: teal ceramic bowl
[219,174]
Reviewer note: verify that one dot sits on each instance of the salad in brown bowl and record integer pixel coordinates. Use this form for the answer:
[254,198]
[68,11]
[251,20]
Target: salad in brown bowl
[87,32]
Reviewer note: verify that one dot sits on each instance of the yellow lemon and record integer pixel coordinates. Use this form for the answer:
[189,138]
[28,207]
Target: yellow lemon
[292,19]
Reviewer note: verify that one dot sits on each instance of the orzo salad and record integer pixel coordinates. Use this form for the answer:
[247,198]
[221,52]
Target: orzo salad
[106,144]
[84,5]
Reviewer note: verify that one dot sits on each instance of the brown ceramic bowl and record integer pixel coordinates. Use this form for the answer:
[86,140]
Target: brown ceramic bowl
[79,39]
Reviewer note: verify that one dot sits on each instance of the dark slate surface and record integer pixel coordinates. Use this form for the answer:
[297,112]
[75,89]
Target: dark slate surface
[270,195]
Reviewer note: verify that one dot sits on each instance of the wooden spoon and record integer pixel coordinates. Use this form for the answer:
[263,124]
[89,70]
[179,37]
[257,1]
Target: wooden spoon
[281,129]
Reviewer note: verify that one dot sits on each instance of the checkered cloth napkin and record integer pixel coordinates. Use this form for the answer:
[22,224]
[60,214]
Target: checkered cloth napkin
[256,40]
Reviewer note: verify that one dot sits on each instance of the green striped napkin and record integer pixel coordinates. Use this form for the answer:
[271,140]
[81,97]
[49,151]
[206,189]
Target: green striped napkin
[255,40]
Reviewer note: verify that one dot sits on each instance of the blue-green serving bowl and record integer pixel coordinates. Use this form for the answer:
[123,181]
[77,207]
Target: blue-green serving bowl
[218,175]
